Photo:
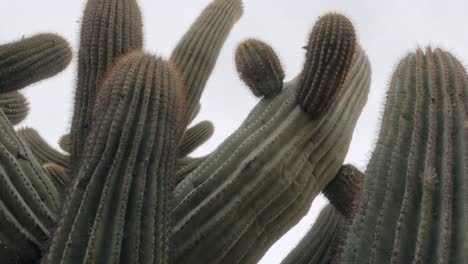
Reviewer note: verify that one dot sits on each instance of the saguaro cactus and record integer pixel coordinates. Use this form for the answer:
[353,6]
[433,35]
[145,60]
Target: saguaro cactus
[262,179]
[110,29]
[15,106]
[414,203]
[125,187]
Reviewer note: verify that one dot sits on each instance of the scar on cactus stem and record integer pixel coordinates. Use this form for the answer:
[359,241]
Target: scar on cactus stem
[414,200]
[259,67]
[328,61]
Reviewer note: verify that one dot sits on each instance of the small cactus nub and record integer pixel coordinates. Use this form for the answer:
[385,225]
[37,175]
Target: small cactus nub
[259,67]
[330,51]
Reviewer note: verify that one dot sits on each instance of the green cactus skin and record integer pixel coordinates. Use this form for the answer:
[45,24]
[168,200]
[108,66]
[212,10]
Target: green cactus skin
[15,106]
[59,175]
[344,189]
[32,59]
[43,152]
[320,243]
[259,67]
[262,179]
[119,211]
[198,50]
[110,29]
[195,137]
[65,143]
[414,202]
[29,201]
[327,62]
[186,165]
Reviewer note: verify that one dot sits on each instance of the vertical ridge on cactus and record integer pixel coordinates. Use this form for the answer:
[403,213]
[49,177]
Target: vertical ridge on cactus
[110,29]
[15,106]
[196,54]
[259,67]
[413,205]
[32,59]
[119,209]
[330,52]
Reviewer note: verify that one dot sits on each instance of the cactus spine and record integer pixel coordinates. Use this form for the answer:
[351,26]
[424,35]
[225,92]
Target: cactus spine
[126,186]
[110,29]
[414,203]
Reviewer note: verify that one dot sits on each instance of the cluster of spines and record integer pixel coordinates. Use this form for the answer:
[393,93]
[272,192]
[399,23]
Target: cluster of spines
[126,185]
[15,106]
[259,67]
[330,51]
[413,204]
[32,59]
[110,29]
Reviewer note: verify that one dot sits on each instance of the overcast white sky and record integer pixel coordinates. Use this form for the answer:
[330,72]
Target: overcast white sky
[387,31]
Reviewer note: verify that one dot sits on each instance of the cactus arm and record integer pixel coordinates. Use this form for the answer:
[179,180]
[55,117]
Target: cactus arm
[15,106]
[59,175]
[43,152]
[195,136]
[321,242]
[344,190]
[32,59]
[196,53]
[262,179]
[29,202]
[259,67]
[126,184]
[110,29]
[413,205]
[65,143]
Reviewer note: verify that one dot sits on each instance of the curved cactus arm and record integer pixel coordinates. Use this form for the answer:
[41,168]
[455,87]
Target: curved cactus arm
[344,190]
[65,143]
[29,201]
[110,29]
[259,67]
[195,136]
[125,184]
[321,242]
[263,178]
[199,48]
[15,106]
[32,59]
[43,152]
[414,199]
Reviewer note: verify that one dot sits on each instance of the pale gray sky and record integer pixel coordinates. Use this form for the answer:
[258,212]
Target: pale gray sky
[387,31]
